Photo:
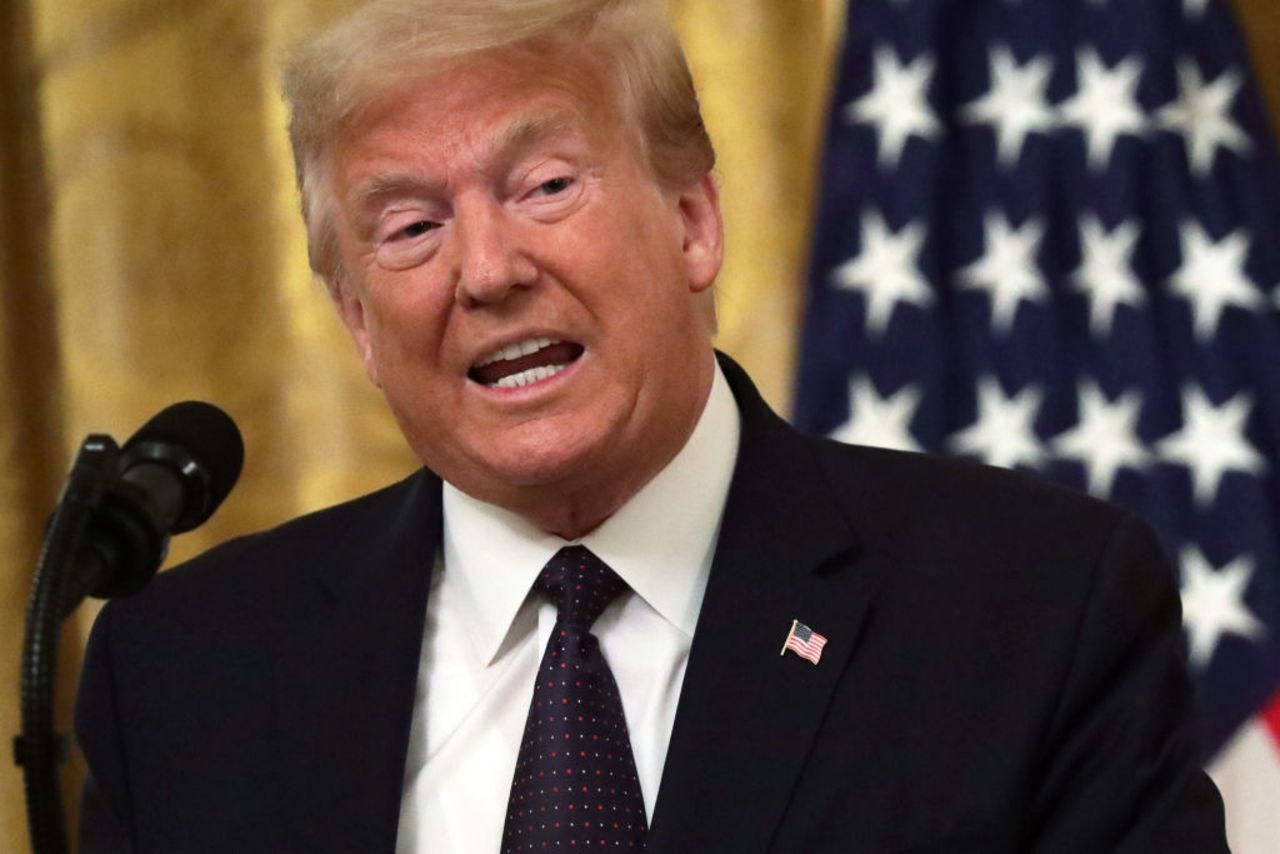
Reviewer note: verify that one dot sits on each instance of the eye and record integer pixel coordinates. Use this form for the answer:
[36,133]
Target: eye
[405,239]
[554,186]
[415,229]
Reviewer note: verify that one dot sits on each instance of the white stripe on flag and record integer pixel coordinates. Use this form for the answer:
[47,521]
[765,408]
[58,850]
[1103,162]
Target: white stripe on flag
[1247,772]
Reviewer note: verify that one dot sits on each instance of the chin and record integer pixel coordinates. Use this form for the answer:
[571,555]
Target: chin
[542,464]
[534,457]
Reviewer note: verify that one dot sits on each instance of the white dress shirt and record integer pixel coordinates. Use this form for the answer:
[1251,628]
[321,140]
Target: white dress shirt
[485,635]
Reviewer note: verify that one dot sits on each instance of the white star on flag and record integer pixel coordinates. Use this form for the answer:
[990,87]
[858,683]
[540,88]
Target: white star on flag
[1105,274]
[1007,269]
[1212,276]
[1004,434]
[1195,8]
[1202,114]
[1015,105]
[1213,603]
[897,104]
[885,270]
[882,422]
[1211,442]
[1105,438]
[1105,104]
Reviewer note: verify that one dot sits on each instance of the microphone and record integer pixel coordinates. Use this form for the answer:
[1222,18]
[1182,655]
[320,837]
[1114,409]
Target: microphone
[171,476]
[107,537]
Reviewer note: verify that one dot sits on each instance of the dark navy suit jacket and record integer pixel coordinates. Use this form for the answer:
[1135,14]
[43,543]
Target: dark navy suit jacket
[1004,672]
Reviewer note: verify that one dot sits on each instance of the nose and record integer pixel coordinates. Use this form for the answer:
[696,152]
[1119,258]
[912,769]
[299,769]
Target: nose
[491,263]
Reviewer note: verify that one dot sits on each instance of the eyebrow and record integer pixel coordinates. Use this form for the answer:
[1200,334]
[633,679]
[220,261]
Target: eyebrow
[388,184]
[372,194]
[513,140]
[526,132]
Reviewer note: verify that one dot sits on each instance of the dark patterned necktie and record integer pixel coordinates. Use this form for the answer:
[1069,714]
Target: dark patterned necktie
[575,784]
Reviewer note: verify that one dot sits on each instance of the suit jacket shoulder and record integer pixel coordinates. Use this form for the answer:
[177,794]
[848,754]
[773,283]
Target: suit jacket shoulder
[285,655]
[930,513]
[320,544]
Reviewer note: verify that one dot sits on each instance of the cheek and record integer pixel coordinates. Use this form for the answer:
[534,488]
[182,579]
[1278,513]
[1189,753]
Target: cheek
[634,262]
[406,322]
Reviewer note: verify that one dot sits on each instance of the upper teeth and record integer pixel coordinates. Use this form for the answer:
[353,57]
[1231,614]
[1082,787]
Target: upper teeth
[515,351]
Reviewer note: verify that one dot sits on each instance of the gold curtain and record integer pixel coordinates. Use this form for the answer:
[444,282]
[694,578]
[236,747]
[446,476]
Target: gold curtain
[150,251]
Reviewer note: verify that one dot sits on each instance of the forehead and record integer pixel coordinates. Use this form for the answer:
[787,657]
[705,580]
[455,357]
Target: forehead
[485,104]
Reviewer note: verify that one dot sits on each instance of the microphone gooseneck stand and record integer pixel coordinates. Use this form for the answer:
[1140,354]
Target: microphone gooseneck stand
[107,537]
[39,750]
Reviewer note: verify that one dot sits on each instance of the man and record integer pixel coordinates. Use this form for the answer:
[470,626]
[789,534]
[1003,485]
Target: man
[511,204]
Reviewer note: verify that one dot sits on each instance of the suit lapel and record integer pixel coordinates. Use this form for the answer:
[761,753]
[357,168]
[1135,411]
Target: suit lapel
[346,661]
[747,716]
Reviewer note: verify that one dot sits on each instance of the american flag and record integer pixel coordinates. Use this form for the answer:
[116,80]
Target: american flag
[804,642]
[1049,238]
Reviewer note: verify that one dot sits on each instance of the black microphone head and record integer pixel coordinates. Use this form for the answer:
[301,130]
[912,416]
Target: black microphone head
[202,443]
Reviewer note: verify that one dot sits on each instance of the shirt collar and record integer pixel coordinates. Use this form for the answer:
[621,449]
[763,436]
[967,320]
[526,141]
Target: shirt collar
[660,542]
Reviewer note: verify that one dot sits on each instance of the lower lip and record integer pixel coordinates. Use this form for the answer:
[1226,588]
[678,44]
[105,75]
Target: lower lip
[531,389]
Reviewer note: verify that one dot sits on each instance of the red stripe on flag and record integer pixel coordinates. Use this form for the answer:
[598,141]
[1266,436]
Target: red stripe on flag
[1271,717]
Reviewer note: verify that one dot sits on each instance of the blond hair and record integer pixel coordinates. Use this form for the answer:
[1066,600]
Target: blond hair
[330,80]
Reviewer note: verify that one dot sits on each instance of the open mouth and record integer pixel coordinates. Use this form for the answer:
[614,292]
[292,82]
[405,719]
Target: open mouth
[525,363]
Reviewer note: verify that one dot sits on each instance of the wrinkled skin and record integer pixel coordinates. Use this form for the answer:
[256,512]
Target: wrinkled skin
[509,198]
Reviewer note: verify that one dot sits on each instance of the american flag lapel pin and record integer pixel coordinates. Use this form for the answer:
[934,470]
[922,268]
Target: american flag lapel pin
[804,642]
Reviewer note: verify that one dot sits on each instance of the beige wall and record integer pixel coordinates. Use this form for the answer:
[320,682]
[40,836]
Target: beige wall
[1260,20]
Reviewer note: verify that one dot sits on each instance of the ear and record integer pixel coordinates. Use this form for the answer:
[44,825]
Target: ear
[351,310]
[703,233]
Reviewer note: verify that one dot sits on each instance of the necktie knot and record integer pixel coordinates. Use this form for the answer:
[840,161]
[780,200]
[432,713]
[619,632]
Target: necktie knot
[579,584]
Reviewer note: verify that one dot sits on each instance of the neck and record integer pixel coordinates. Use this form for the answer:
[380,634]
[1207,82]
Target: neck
[572,519]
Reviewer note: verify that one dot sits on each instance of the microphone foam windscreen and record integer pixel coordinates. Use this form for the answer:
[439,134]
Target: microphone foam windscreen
[206,433]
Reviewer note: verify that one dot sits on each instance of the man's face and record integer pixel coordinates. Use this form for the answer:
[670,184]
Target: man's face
[524,293]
